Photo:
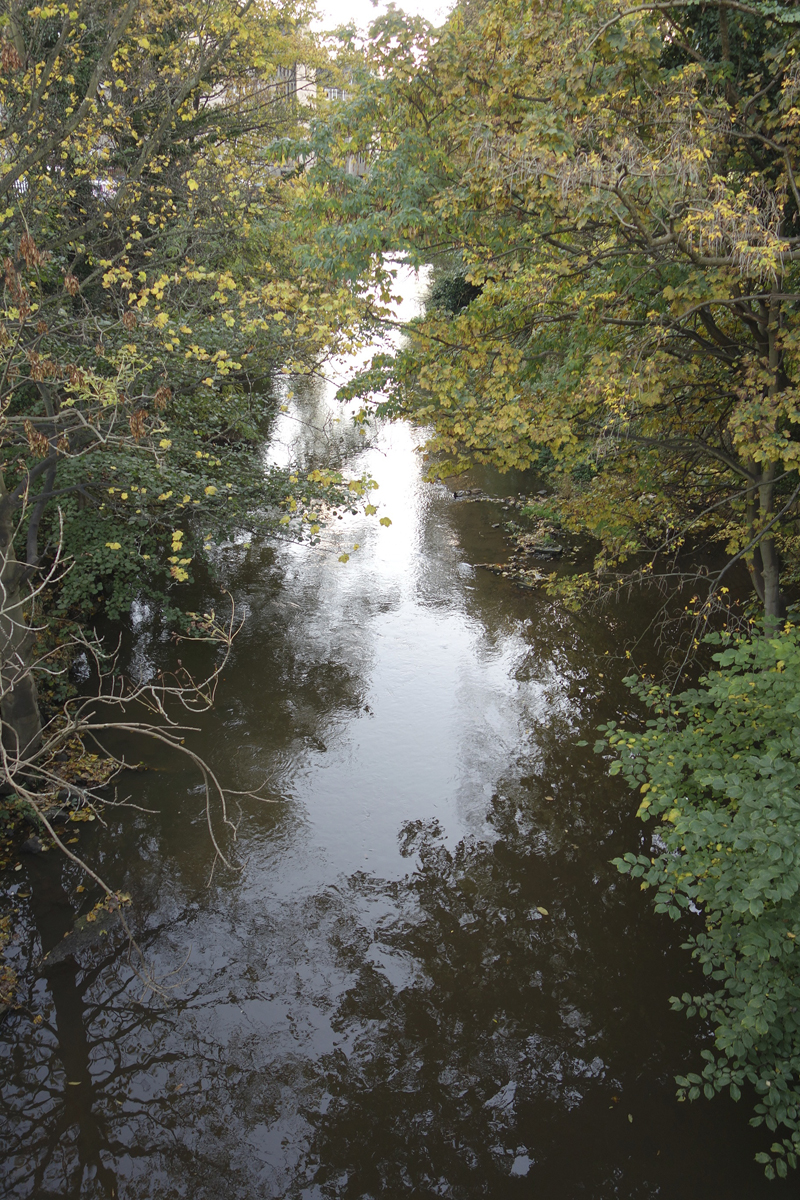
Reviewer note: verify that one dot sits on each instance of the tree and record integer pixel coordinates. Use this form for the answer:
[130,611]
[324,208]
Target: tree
[149,290]
[619,189]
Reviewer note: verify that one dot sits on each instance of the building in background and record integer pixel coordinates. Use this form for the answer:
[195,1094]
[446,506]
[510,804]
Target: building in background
[298,83]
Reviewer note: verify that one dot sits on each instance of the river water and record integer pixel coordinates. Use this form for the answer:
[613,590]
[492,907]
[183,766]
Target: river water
[426,979]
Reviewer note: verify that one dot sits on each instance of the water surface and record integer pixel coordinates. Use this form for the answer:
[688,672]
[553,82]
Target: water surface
[426,980]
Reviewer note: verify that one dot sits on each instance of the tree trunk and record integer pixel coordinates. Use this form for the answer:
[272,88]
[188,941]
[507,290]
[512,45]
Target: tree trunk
[763,561]
[753,557]
[774,604]
[19,706]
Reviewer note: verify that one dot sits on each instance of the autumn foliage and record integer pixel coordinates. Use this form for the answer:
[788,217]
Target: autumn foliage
[618,192]
[149,293]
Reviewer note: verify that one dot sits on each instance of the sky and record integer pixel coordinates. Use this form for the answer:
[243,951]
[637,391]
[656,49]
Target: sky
[339,12]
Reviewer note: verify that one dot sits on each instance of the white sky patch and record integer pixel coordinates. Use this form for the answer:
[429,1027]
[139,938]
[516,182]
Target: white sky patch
[363,12]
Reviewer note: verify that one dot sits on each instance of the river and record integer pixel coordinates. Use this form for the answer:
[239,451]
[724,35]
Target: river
[426,980]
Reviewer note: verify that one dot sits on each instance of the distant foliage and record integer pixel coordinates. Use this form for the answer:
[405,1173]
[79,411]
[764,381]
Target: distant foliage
[453,292]
[718,767]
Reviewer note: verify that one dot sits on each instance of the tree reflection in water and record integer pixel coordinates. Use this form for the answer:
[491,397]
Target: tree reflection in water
[471,1031]
[505,1034]
[434,1035]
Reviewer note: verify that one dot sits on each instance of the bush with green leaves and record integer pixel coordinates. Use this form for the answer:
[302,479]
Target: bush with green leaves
[718,770]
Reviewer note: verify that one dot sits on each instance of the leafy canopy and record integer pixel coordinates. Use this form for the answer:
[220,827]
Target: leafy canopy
[150,289]
[618,190]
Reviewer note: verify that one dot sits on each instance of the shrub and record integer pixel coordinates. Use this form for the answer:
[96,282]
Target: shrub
[718,767]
